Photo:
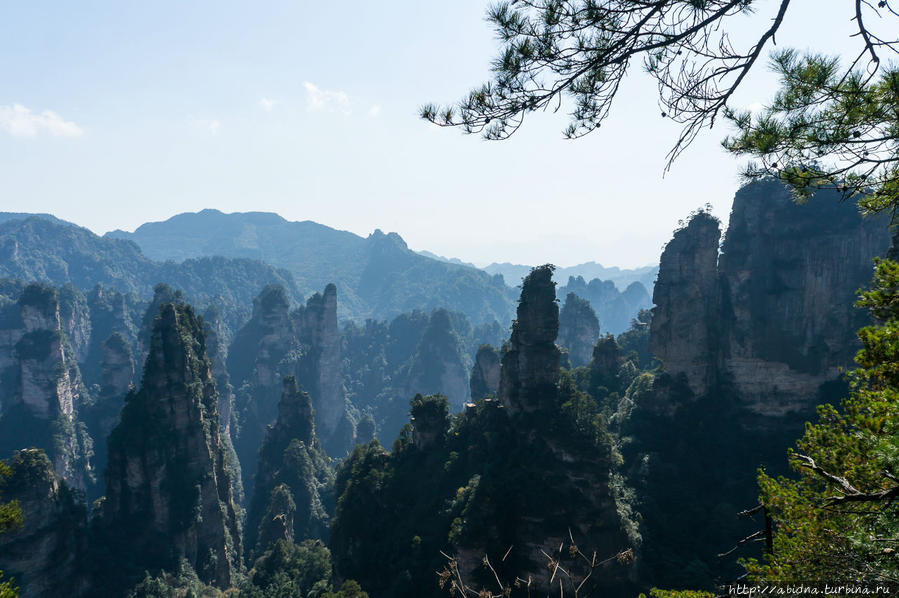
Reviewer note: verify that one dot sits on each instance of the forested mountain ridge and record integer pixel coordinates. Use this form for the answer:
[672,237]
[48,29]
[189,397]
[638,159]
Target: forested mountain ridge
[54,252]
[378,276]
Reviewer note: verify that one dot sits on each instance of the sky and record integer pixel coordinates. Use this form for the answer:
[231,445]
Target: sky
[113,114]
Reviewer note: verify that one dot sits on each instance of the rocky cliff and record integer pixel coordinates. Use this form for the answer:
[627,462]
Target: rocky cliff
[42,391]
[169,491]
[47,555]
[293,496]
[751,338]
[485,373]
[321,371]
[530,368]
[773,317]
[684,332]
[278,342]
[578,329]
[439,366]
[528,471]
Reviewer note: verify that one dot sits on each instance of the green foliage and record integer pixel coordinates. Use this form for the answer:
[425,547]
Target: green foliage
[826,128]
[636,339]
[168,432]
[836,521]
[8,588]
[288,570]
[657,593]
[10,513]
[829,125]
[10,518]
[182,583]
[471,488]
[349,589]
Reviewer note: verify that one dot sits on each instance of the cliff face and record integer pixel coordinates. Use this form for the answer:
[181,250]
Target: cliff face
[684,325]
[111,312]
[169,491]
[439,365]
[485,373]
[42,390]
[788,275]
[294,481]
[578,329]
[276,343]
[530,369]
[772,317]
[322,371]
[46,556]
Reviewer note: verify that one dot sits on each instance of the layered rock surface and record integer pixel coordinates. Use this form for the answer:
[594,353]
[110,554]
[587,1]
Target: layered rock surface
[684,332]
[276,343]
[774,316]
[42,391]
[169,490]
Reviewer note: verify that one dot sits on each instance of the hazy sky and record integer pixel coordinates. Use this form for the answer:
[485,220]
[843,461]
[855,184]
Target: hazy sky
[117,113]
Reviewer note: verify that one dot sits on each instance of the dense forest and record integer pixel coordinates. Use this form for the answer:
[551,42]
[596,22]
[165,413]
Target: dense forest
[164,436]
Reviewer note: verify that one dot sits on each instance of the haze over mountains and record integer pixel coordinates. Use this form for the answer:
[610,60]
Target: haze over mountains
[377,276]
[230,434]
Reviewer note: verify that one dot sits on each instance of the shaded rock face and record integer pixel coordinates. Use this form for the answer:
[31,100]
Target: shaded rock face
[117,366]
[774,316]
[485,373]
[75,318]
[789,276]
[46,556]
[217,340]
[276,343]
[530,369]
[111,313]
[117,376]
[169,489]
[684,329]
[42,390]
[439,366]
[578,329]
[293,495]
[323,369]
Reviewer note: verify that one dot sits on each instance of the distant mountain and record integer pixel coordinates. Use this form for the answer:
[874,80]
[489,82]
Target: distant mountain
[7,216]
[52,251]
[622,278]
[448,260]
[377,276]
